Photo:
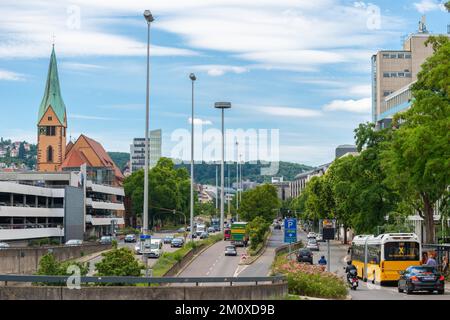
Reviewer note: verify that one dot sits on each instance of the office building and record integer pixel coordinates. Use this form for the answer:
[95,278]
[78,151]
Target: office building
[393,73]
[137,151]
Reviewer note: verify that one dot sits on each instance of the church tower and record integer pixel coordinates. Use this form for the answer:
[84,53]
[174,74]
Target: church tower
[52,123]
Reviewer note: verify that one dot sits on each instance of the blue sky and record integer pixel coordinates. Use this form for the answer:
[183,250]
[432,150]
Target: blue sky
[299,66]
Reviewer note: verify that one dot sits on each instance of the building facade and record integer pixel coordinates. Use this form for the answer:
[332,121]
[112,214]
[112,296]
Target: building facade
[33,205]
[393,73]
[137,151]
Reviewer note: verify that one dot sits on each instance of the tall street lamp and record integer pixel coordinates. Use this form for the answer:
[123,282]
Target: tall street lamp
[149,18]
[193,78]
[237,181]
[222,106]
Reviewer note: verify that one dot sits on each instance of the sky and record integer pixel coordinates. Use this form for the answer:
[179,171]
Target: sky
[297,66]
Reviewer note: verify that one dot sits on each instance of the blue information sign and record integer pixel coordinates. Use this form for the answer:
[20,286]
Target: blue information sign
[290,230]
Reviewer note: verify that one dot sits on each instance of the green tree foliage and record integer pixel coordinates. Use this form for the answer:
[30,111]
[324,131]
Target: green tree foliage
[169,189]
[447,6]
[119,262]
[261,201]
[49,266]
[418,158]
[205,209]
[120,158]
[256,229]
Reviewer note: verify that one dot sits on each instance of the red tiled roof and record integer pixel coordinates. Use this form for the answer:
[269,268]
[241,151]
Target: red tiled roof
[75,157]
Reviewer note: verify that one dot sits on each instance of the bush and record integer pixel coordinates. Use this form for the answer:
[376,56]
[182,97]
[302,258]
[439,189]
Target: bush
[49,266]
[119,262]
[310,280]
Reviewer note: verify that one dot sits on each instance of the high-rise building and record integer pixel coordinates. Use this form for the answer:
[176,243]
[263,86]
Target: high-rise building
[393,73]
[137,151]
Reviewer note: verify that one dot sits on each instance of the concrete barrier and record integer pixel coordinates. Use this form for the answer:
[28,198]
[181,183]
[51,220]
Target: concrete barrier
[237,292]
[26,260]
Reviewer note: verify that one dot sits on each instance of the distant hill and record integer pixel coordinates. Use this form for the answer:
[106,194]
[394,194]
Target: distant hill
[120,158]
[205,173]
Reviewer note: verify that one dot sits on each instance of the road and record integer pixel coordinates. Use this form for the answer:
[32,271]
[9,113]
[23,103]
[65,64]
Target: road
[368,291]
[121,244]
[213,263]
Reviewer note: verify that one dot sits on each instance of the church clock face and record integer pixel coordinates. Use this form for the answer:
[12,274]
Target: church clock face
[41,130]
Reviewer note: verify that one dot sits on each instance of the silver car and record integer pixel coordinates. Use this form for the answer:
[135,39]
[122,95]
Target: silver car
[4,245]
[312,245]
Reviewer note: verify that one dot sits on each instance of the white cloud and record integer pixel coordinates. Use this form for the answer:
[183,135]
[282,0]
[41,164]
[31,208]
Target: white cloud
[429,5]
[75,66]
[289,112]
[198,121]
[216,70]
[86,117]
[11,76]
[357,106]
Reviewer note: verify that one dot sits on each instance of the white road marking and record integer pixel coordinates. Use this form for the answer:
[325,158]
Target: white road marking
[237,272]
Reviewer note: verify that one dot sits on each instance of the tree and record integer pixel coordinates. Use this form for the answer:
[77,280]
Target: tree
[261,201]
[119,262]
[49,266]
[418,158]
[169,189]
[447,6]
[256,230]
[21,155]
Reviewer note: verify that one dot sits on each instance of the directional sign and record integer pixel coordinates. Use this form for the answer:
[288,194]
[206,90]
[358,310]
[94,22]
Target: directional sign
[290,230]
[145,243]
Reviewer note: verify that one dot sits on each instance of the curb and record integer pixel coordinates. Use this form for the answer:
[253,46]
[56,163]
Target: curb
[250,260]
[91,256]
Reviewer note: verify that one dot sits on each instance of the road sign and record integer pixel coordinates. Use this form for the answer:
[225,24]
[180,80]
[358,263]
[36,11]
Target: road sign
[145,243]
[290,230]
[328,230]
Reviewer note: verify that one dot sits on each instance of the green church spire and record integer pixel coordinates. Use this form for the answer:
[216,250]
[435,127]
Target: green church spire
[52,95]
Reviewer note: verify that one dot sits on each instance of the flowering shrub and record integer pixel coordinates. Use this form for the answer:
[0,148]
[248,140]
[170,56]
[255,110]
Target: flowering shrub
[310,280]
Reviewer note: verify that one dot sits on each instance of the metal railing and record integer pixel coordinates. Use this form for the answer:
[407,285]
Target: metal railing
[134,280]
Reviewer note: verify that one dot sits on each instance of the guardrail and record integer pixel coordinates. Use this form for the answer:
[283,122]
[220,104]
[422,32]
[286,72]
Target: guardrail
[133,280]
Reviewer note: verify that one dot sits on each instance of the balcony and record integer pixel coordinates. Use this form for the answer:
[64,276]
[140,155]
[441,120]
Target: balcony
[104,205]
[103,220]
[27,211]
[21,232]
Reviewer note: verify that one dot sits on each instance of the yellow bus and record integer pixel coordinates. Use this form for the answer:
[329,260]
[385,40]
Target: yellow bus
[379,259]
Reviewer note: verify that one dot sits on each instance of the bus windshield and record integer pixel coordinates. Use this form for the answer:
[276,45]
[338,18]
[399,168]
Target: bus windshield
[401,251]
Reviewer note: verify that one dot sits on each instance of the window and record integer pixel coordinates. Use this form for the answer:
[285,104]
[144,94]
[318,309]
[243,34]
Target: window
[401,74]
[50,118]
[401,251]
[407,56]
[385,55]
[408,75]
[401,56]
[50,154]
[386,74]
[393,74]
[393,56]
[50,130]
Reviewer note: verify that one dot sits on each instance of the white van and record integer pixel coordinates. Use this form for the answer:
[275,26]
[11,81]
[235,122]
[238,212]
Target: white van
[200,229]
[156,248]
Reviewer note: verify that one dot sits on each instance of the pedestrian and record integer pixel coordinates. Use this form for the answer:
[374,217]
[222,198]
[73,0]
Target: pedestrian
[322,262]
[431,261]
[347,256]
[444,264]
[424,258]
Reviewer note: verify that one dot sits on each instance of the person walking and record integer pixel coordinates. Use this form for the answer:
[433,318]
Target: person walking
[322,262]
[431,262]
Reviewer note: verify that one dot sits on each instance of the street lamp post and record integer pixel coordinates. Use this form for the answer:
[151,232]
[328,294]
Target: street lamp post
[149,18]
[222,106]
[237,181]
[193,78]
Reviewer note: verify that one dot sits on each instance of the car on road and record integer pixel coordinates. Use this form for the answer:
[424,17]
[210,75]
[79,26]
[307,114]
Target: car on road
[421,278]
[230,251]
[74,243]
[137,248]
[192,235]
[4,245]
[204,235]
[168,239]
[311,235]
[211,230]
[106,240]
[130,238]
[313,245]
[305,255]
[177,243]
[181,230]
[319,237]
